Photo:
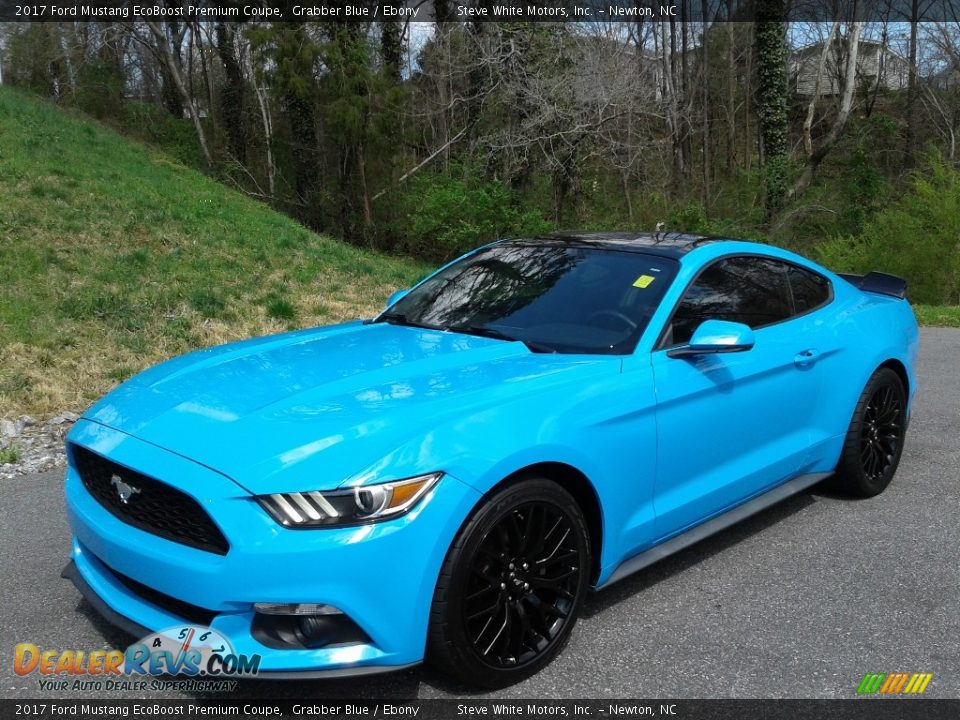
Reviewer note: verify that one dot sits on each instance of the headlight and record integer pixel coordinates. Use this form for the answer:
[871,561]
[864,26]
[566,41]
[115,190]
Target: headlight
[361,504]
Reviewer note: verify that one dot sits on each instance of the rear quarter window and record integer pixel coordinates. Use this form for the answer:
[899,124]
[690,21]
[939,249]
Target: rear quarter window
[810,289]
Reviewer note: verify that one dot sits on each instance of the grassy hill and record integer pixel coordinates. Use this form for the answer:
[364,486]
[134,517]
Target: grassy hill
[113,257]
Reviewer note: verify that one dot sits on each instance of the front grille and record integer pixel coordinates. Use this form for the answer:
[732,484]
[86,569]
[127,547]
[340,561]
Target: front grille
[180,608]
[155,506]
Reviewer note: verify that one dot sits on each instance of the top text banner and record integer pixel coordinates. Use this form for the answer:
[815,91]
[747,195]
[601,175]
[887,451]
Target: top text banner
[580,11]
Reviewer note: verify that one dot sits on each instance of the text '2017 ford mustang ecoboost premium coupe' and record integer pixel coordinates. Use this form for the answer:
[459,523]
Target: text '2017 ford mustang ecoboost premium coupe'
[447,480]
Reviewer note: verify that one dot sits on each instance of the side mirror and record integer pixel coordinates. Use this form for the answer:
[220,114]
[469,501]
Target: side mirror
[716,336]
[396,297]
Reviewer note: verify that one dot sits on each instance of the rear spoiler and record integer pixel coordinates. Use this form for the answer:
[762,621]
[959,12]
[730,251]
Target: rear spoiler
[878,282]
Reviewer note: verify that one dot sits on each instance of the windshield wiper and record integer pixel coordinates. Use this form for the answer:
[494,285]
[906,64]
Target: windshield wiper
[484,331]
[395,318]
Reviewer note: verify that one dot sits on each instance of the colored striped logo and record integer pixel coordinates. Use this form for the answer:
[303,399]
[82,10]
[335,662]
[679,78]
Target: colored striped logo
[894,683]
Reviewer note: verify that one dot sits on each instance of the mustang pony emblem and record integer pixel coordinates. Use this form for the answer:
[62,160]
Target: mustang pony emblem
[123,490]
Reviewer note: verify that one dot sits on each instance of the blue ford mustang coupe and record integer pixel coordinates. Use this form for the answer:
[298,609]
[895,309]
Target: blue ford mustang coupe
[447,480]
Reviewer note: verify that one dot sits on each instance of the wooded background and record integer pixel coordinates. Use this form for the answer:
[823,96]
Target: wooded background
[837,139]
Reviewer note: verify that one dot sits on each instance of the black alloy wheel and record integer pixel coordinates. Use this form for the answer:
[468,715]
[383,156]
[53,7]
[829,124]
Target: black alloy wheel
[524,578]
[880,435]
[875,437]
[511,586]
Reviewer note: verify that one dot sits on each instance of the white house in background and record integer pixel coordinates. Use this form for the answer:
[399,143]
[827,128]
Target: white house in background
[876,62]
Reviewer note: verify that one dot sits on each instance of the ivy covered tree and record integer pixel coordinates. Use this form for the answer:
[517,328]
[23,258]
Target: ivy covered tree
[771,101]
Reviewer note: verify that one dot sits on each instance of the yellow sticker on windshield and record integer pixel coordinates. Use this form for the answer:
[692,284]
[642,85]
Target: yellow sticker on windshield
[643,281]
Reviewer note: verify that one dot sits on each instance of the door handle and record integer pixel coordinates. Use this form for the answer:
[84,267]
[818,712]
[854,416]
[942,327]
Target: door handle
[806,358]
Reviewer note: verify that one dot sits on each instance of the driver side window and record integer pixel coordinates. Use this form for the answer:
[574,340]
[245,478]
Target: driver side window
[749,290]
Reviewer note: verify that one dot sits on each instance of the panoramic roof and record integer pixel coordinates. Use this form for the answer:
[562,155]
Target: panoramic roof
[670,244]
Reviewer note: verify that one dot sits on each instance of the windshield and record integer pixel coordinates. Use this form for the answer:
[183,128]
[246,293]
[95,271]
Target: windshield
[553,297]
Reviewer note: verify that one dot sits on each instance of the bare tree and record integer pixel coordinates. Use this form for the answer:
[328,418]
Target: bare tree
[840,122]
[569,117]
[254,71]
[165,41]
[705,104]
[941,94]
[672,92]
[233,95]
[731,104]
[67,55]
[818,87]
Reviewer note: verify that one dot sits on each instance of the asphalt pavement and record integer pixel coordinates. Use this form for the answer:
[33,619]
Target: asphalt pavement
[799,601]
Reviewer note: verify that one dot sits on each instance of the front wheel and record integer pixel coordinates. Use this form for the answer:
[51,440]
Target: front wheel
[874,442]
[511,586]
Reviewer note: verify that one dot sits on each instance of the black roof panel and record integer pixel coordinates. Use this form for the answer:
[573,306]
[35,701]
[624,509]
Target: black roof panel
[669,244]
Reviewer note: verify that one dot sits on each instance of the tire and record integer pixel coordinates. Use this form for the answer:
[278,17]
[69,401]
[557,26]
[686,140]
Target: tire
[511,586]
[874,442]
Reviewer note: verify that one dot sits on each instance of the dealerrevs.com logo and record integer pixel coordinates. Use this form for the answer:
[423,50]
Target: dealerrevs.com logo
[184,650]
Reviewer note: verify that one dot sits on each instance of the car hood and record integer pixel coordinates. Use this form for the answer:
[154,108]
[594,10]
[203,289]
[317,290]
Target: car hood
[318,408]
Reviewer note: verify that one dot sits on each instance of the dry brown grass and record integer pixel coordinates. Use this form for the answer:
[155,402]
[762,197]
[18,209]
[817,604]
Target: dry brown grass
[90,364]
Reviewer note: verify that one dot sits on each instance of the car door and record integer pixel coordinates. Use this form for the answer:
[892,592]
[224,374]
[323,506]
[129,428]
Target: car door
[731,425]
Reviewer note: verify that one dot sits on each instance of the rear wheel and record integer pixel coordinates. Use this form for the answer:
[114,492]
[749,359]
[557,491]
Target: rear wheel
[511,586]
[874,442]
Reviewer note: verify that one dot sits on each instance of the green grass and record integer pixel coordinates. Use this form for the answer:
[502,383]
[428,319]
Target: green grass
[9,455]
[114,256]
[938,315]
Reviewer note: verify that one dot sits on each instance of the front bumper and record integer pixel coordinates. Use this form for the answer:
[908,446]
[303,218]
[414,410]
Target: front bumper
[382,576]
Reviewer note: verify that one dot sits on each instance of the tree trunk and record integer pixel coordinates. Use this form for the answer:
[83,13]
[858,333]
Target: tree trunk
[731,91]
[169,94]
[686,95]
[476,75]
[172,64]
[422,164]
[204,65]
[671,92]
[391,48]
[912,84]
[625,177]
[881,69]
[267,120]
[233,99]
[562,184]
[770,40]
[67,59]
[267,139]
[748,94]
[811,108]
[846,104]
[297,101]
[190,73]
[362,161]
[299,110]
[349,38]
[705,101]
